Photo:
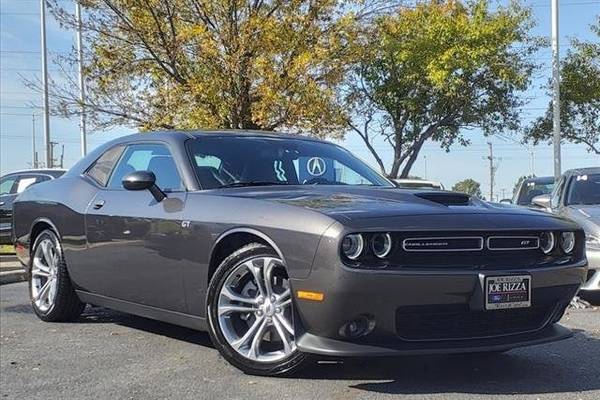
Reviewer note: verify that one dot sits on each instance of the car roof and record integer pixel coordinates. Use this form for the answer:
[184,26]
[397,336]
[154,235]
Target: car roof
[194,134]
[54,172]
[540,179]
[583,171]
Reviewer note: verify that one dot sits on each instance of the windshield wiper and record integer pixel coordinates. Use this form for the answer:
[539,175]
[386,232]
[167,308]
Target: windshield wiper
[252,183]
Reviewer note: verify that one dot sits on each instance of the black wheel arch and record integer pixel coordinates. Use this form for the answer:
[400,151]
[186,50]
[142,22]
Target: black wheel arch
[234,239]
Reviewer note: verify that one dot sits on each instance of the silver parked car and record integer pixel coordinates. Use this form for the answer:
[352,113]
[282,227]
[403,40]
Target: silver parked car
[11,185]
[577,197]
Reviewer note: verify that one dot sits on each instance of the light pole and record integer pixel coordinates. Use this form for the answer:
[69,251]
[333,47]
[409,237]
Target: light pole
[46,117]
[33,155]
[556,90]
[81,81]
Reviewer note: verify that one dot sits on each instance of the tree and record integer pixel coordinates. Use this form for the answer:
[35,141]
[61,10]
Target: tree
[431,71]
[468,186]
[579,98]
[249,64]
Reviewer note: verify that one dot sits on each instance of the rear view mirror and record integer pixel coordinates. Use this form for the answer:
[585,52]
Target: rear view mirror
[506,201]
[143,180]
[542,200]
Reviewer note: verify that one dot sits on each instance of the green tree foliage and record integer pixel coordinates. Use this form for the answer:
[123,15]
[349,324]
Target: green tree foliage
[249,64]
[431,72]
[468,186]
[579,98]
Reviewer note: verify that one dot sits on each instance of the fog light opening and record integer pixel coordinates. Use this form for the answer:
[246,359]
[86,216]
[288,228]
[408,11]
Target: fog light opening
[358,327]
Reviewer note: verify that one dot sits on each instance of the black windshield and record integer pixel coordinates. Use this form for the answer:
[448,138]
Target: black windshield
[233,161]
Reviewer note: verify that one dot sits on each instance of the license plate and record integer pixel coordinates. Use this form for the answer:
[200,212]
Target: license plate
[512,291]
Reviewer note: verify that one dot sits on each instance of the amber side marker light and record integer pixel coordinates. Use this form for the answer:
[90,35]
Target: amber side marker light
[306,295]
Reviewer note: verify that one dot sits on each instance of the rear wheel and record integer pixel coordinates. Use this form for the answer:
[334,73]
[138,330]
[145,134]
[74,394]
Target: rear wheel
[250,313]
[52,295]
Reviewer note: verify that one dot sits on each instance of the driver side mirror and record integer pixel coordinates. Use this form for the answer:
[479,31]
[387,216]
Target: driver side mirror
[542,200]
[143,180]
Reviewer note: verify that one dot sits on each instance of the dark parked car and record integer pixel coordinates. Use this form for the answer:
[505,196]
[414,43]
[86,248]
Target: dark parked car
[10,186]
[532,187]
[577,197]
[283,247]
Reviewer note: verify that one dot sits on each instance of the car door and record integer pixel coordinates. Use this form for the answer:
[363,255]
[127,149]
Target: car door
[8,190]
[133,251]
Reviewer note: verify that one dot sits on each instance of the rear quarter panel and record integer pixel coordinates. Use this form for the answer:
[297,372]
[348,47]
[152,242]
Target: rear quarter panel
[60,203]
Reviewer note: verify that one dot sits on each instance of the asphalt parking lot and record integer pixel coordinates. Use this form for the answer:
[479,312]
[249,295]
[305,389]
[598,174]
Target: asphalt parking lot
[109,355]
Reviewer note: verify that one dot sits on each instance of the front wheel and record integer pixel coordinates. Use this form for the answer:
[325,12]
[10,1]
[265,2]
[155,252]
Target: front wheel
[250,313]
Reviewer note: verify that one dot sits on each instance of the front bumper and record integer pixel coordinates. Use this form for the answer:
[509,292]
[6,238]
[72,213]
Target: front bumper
[593,278]
[310,343]
[426,311]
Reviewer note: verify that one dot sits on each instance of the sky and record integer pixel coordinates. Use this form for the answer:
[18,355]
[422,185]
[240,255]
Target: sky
[20,57]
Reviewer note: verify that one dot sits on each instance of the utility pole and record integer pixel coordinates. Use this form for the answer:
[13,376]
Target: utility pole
[33,154]
[556,90]
[62,156]
[532,162]
[493,169]
[45,85]
[81,81]
[425,160]
[52,144]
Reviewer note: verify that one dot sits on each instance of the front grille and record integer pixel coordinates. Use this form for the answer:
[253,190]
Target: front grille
[471,250]
[457,322]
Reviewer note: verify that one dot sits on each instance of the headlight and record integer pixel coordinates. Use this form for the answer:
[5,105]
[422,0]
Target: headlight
[547,242]
[567,241]
[352,246]
[381,244]
[592,242]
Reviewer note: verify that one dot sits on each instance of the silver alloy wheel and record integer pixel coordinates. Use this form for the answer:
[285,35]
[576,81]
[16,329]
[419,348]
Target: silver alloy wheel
[254,310]
[44,275]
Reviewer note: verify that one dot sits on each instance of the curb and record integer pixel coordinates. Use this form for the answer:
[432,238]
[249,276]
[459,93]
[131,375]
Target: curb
[7,277]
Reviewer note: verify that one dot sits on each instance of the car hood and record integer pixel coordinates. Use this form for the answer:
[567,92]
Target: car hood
[353,203]
[587,216]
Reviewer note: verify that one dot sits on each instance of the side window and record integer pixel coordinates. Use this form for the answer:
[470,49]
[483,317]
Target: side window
[148,157]
[6,184]
[557,192]
[101,169]
[347,175]
[25,181]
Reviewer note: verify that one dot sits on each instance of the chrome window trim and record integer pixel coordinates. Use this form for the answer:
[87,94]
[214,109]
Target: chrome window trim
[480,248]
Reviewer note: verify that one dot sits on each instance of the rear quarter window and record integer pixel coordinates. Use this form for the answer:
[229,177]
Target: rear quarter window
[102,168]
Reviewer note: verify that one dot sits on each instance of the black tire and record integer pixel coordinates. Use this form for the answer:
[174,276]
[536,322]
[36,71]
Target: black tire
[591,296]
[291,364]
[66,305]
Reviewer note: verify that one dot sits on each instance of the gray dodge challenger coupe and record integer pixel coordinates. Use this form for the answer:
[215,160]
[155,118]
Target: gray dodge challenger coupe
[284,247]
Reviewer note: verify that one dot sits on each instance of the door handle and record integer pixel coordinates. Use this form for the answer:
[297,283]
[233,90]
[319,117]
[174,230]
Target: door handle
[1,203]
[98,204]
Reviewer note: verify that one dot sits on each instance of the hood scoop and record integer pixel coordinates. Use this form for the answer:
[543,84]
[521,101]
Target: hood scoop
[446,199]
